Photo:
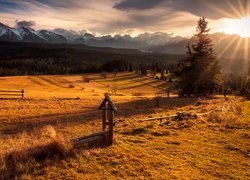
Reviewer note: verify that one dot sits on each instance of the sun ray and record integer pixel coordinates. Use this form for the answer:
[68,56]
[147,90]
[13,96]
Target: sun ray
[248,8]
[236,49]
[246,56]
[237,13]
[219,10]
[246,47]
[242,9]
[227,47]
[232,58]
[221,39]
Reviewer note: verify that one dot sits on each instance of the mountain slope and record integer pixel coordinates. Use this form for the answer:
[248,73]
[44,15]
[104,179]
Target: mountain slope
[227,46]
[9,34]
[52,37]
[25,34]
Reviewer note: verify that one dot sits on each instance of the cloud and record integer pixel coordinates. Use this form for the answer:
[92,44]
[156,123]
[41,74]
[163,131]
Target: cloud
[108,16]
[137,4]
[8,6]
[212,9]
[58,3]
[28,24]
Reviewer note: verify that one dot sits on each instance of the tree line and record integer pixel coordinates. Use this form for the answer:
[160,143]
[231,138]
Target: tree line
[59,65]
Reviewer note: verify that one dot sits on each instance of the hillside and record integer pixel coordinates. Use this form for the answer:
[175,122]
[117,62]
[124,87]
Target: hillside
[32,59]
[72,86]
[232,46]
[213,146]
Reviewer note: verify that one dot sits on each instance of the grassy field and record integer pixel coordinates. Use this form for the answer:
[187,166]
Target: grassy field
[213,146]
[72,86]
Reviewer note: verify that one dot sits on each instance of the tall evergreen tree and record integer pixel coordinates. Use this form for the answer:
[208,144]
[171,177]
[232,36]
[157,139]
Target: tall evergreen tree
[199,73]
[130,67]
[143,69]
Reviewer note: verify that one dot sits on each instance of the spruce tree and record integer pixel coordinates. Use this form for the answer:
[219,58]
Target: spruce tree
[130,67]
[199,73]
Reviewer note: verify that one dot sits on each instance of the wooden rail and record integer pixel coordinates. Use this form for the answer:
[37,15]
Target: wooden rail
[178,116]
[12,93]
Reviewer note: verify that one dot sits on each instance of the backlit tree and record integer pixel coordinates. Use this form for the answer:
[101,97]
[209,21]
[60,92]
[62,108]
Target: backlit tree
[199,73]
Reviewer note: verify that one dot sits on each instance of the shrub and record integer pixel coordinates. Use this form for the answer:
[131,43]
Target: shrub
[29,149]
[157,101]
[227,119]
[86,79]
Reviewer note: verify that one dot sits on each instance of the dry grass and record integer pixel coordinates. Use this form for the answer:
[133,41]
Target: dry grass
[214,146]
[32,149]
[196,149]
[71,86]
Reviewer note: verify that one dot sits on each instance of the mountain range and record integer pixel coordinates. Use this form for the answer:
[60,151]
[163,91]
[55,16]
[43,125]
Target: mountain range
[227,46]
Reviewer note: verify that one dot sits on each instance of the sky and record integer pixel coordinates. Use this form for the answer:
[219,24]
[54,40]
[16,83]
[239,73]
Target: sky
[133,17]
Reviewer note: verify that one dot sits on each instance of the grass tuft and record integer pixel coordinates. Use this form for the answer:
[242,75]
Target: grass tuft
[47,145]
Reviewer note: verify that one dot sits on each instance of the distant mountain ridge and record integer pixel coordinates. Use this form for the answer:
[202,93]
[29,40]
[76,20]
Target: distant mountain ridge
[25,34]
[229,46]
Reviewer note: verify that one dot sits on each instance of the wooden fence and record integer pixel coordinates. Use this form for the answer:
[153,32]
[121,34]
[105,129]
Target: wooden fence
[12,93]
[178,116]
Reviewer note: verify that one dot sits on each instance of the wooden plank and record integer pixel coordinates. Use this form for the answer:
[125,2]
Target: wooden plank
[111,104]
[169,116]
[105,108]
[10,94]
[156,118]
[89,140]
[102,105]
[104,119]
[90,136]
[10,91]
[111,125]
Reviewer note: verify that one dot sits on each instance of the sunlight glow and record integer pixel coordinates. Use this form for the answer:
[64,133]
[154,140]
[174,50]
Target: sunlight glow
[238,26]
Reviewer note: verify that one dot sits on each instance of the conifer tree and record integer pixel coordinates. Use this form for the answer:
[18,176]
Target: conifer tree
[199,73]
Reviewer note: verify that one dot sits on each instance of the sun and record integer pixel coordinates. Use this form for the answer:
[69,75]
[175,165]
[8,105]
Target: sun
[238,26]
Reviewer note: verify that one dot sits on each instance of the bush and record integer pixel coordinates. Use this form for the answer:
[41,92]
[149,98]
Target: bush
[227,119]
[29,149]
[86,79]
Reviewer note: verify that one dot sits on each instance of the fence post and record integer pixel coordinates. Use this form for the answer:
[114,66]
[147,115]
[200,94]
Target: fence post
[22,93]
[111,125]
[168,94]
[225,94]
[104,116]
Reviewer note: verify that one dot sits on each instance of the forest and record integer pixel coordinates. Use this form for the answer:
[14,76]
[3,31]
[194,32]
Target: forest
[36,59]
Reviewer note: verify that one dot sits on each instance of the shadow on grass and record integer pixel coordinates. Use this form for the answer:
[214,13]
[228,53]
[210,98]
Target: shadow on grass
[58,149]
[151,84]
[136,131]
[18,162]
[142,106]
